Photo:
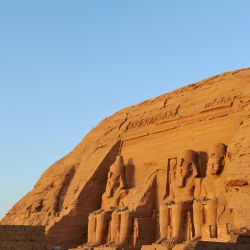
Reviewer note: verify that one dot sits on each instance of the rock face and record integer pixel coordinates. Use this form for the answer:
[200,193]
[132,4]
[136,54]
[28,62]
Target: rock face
[22,237]
[149,136]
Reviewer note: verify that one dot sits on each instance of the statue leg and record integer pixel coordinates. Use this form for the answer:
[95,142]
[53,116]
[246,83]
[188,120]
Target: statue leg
[115,226]
[101,227]
[198,213]
[178,215]
[125,229]
[212,216]
[164,223]
[91,228]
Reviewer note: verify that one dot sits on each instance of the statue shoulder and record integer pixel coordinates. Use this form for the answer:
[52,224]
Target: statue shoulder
[206,182]
[104,195]
[123,192]
[197,180]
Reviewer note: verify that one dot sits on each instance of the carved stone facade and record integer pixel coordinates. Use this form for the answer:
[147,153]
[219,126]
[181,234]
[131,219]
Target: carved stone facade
[188,212]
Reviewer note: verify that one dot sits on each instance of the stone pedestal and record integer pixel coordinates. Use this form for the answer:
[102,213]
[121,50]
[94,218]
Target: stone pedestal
[222,234]
[201,245]
[107,248]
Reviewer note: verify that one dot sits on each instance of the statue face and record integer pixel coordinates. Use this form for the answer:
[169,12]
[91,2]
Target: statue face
[112,184]
[214,164]
[113,181]
[183,169]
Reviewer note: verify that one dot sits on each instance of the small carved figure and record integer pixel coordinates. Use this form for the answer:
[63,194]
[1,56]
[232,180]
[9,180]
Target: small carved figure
[183,190]
[139,204]
[111,200]
[210,188]
[172,171]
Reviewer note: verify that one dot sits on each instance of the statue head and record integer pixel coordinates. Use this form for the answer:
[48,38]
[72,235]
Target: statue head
[215,164]
[218,148]
[186,167]
[116,178]
[216,159]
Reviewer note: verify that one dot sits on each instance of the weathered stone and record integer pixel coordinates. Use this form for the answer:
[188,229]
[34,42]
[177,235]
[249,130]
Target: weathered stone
[150,136]
[22,237]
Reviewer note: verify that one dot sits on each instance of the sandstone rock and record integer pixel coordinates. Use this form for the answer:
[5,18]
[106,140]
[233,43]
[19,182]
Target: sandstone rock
[148,135]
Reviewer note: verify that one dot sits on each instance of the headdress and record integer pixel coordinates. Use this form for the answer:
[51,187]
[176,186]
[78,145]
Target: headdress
[118,168]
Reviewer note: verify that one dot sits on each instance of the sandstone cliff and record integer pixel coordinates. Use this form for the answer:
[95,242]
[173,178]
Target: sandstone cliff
[215,110]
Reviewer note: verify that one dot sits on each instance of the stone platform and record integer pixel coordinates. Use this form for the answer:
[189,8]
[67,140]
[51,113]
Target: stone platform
[106,248]
[200,245]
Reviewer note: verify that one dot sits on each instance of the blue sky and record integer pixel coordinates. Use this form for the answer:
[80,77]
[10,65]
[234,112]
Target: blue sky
[66,65]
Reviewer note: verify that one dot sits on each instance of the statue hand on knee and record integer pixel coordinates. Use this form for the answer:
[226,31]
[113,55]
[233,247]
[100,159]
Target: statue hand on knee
[97,212]
[168,202]
[121,209]
[200,199]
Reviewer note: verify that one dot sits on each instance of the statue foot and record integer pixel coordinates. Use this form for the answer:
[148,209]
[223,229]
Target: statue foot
[109,244]
[121,244]
[172,240]
[89,245]
[159,241]
[83,245]
[196,238]
[94,244]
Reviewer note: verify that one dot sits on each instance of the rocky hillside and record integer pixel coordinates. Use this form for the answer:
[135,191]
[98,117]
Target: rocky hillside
[216,109]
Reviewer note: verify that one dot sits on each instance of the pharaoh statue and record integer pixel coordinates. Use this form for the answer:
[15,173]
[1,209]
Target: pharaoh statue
[111,200]
[184,188]
[138,203]
[210,188]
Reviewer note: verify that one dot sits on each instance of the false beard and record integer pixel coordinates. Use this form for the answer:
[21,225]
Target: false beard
[109,192]
[180,181]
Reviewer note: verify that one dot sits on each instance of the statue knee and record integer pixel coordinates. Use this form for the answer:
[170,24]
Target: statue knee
[101,217]
[126,216]
[115,216]
[91,217]
[177,208]
[163,209]
[197,206]
[212,204]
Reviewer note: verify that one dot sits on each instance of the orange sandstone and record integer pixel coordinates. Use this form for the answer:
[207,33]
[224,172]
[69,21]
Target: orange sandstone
[150,136]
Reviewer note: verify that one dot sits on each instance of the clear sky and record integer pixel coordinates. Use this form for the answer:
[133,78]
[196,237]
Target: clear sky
[66,65]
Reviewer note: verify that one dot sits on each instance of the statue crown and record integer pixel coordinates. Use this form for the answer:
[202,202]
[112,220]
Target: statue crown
[118,166]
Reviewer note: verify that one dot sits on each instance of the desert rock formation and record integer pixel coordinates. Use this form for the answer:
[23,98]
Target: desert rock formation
[148,135]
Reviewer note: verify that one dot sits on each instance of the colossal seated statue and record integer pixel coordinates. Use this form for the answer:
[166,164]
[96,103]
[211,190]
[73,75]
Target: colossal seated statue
[111,200]
[210,188]
[138,203]
[184,188]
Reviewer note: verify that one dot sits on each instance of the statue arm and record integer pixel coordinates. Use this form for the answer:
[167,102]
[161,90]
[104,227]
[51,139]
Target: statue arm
[170,198]
[203,193]
[171,194]
[197,189]
[203,188]
[123,193]
[103,202]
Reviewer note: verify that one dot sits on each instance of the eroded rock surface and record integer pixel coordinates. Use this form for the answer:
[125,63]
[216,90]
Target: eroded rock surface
[148,135]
